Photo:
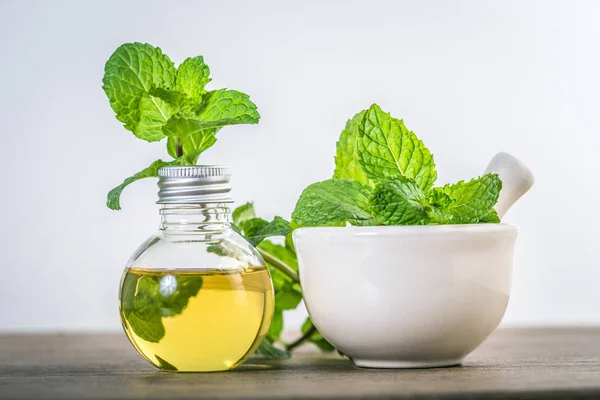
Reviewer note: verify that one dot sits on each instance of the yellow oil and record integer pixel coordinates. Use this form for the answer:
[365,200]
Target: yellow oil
[192,320]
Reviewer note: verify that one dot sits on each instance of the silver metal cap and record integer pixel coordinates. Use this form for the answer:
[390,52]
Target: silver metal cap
[194,184]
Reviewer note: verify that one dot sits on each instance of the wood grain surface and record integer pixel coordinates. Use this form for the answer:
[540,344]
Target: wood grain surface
[525,363]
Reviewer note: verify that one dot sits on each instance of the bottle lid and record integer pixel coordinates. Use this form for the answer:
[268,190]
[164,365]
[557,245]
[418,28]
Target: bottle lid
[195,184]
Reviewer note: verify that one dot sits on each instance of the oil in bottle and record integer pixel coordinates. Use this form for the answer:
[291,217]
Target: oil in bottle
[196,320]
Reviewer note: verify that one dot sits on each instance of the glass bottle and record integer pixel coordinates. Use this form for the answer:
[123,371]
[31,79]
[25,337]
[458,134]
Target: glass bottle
[195,296]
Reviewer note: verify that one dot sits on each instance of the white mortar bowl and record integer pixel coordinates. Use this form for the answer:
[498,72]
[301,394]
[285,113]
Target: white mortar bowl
[406,296]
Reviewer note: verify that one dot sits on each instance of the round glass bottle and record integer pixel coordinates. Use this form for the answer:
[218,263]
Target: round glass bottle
[195,296]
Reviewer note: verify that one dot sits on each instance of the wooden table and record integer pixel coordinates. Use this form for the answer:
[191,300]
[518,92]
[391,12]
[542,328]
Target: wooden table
[513,363]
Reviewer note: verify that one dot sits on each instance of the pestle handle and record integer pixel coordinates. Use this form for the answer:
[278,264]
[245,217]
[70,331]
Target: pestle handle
[516,178]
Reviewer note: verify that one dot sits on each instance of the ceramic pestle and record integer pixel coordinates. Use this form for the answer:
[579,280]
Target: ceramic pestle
[516,178]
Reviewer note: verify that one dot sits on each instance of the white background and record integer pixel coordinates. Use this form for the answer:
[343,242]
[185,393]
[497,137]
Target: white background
[469,77]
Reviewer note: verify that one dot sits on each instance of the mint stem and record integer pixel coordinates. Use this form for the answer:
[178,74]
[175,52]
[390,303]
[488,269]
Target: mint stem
[178,148]
[302,339]
[280,265]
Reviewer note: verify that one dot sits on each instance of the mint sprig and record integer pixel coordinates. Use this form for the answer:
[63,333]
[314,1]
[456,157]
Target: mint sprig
[155,100]
[283,266]
[347,165]
[114,196]
[384,175]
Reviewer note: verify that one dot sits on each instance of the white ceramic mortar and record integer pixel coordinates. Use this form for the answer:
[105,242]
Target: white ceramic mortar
[412,296]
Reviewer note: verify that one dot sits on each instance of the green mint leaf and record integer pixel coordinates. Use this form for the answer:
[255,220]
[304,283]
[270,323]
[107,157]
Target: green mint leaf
[114,196]
[490,218]
[439,206]
[194,134]
[473,201]
[316,338]
[276,326]
[283,253]
[283,284]
[399,201]
[387,149]
[172,147]
[192,77]
[257,229]
[439,198]
[130,73]
[154,114]
[251,224]
[334,202]
[243,213]
[439,216]
[173,97]
[228,105]
[179,101]
[347,165]
[289,241]
[182,126]
[268,350]
[287,300]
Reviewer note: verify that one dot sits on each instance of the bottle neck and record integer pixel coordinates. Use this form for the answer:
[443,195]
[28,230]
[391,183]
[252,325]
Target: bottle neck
[194,218]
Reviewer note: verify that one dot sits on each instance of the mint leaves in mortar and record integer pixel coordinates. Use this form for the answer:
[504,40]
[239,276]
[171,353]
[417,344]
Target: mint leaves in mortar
[155,101]
[384,175]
